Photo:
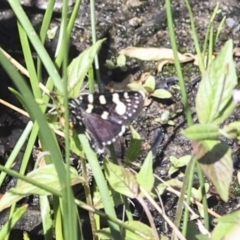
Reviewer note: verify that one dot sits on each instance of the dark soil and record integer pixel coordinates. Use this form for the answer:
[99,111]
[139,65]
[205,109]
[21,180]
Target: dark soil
[115,22]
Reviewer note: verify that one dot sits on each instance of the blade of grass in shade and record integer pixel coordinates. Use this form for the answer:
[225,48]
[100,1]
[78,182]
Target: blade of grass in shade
[70,223]
[127,208]
[87,191]
[204,197]
[58,219]
[101,183]
[210,46]
[209,36]
[195,38]
[59,58]
[46,135]
[64,34]
[5,231]
[91,80]
[29,62]
[73,17]
[43,32]
[38,46]
[24,161]
[46,20]
[70,26]
[187,109]
[26,157]
[94,40]
[21,141]
[188,182]
[219,30]
[46,217]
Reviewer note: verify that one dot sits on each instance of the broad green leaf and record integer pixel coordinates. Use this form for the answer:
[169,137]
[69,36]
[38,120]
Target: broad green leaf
[161,93]
[178,163]
[110,64]
[215,160]
[214,97]
[78,68]
[202,237]
[226,112]
[165,116]
[104,234]
[97,199]
[142,231]
[121,179]
[45,175]
[121,60]
[227,227]
[75,145]
[197,193]
[145,177]
[149,84]
[232,130]
[135,86]
[172,170]
[134,149]
[202,132]
[160,188]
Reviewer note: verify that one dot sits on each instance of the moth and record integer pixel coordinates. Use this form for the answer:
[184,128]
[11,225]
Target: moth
[104,116]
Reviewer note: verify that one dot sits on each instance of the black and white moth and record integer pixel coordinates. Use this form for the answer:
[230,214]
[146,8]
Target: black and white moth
[104,116]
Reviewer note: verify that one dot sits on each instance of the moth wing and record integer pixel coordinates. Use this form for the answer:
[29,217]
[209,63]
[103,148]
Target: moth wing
[120,108]
[102,132]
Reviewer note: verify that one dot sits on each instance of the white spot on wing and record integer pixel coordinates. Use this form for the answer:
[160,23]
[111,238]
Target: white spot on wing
[120,106]
[100,151]
[90,98]
[102,99]
[89,108]
[104,115]
[126,95]
[77,101]
[122,131]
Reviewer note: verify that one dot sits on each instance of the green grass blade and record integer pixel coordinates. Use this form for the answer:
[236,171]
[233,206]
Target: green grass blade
[101,183]
[34,39]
